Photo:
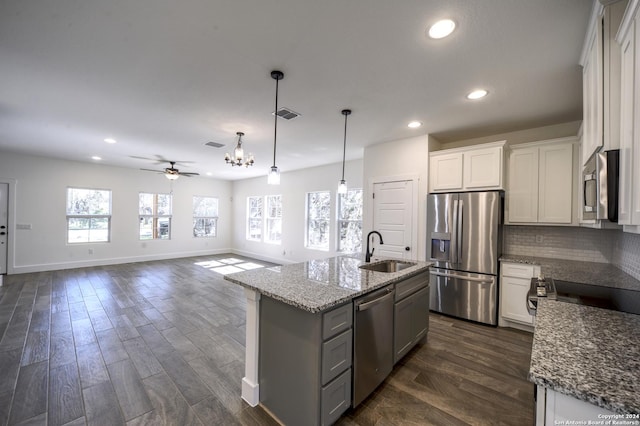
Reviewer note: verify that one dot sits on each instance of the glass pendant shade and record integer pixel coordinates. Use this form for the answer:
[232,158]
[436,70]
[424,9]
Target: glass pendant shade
[342,188]
[171,176]
[274,176]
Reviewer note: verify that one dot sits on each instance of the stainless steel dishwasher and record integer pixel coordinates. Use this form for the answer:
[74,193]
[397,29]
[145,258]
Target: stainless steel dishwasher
[373,341]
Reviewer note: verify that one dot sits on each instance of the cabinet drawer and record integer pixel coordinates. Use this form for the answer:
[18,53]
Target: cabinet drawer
[411,285]
[337,354]
[519,270]
[337,320]
[336,398]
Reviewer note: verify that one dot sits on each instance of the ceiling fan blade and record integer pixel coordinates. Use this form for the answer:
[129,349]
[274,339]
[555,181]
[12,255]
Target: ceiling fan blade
[152,170]
[160,160]
[188,174]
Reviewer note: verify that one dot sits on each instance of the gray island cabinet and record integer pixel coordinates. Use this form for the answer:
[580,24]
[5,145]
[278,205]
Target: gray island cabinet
[299,359]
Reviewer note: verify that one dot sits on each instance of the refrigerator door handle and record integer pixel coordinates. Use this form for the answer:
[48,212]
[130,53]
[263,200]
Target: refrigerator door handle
[453,257]
[462,277]
[459,230]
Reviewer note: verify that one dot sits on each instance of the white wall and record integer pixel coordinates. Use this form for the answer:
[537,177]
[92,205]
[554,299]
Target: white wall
[293,188]
[402,159]
[40,201]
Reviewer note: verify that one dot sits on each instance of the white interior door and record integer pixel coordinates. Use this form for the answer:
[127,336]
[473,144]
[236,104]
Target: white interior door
[4,226]
[393,218]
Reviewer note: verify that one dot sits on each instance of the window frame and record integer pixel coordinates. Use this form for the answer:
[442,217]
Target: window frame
[89,217]
[340,220]
[269,221]
[155,217]
[250,218]
[213,218]
[308,220]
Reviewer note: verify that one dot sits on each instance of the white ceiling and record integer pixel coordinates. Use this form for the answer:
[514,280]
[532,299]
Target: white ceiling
[164,77]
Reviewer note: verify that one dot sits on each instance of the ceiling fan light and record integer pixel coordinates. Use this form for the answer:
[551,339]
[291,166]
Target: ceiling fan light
[441,29]
[171,176]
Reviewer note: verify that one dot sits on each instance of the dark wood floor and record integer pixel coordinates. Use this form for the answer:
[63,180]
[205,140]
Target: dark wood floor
[163,343]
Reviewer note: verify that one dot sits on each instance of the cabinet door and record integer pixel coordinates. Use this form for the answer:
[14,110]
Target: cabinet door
[635,186]
[514,299]
[445,172]
[420,314]
[402,330]
[626,130]
[522,193]
[593,100]
[555,194]
[483,168]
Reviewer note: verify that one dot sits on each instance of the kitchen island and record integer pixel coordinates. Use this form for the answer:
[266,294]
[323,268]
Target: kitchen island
[299,335]
[581,353]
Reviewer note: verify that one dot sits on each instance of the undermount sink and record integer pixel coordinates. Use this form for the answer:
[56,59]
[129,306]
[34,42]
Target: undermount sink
[387,266]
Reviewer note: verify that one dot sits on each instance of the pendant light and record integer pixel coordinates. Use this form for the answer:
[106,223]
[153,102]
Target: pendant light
[342,188]
[274,174]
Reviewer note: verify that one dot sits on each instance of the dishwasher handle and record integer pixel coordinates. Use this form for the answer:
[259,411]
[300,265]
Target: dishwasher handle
[366,305]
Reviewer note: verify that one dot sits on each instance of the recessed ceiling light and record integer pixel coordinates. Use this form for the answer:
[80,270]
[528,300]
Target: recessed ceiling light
[209,174]
[110,140]
[95,157]
[442,28]
[414,124]
[477,94]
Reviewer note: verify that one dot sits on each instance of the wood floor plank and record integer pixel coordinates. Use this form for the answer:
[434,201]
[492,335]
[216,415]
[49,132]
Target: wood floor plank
[30,398]
[101,405]
[156,341]
[91,365]
[62,349]
[36,347]
[65,395]
[9,368]
[130,391]
[111,346]
[182,344]
[124,327]
[83,332]
[187,381]
[142,357]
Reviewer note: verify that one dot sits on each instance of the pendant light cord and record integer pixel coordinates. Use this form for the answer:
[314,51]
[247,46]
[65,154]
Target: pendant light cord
[275,125]
[344,146]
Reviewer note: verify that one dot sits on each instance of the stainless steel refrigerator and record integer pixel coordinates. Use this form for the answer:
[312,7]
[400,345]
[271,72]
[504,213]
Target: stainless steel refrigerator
[464,239]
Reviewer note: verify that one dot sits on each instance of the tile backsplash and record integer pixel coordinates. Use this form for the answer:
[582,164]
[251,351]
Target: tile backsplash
[589,245]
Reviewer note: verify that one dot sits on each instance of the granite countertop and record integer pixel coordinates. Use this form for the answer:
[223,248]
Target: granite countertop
[318,285]
[589,353]
[602,274]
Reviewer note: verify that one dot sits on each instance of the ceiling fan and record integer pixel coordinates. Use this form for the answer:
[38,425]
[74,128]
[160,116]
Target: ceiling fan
[171,172]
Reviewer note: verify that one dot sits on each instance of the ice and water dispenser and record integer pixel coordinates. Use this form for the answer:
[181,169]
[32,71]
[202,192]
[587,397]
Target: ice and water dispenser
[440,245]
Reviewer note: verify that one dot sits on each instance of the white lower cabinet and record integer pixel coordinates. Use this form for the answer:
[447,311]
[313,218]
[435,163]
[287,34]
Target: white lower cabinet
[515,280]
[542,184]
[555,408]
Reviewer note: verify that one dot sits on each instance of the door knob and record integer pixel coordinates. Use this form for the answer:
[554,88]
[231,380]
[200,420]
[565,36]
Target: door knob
[407,248]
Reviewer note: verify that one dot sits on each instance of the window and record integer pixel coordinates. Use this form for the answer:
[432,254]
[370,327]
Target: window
[205,216]
[155,216]
[350,221]
[273,219]
[318,219]
[88,215]
[254,218]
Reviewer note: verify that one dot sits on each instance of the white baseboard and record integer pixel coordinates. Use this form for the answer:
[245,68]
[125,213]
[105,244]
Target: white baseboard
[259,256]
[113,261]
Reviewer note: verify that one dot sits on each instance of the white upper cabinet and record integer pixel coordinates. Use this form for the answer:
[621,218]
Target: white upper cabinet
[467,169]
[601,80]
[629,195]
[541,187]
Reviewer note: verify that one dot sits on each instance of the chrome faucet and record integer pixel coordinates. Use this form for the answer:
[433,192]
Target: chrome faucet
[368,254]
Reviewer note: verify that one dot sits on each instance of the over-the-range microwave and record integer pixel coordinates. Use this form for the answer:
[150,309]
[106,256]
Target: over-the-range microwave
[600,184]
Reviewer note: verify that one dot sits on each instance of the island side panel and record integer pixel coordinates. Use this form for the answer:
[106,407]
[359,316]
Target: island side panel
[290,362]
[250,383]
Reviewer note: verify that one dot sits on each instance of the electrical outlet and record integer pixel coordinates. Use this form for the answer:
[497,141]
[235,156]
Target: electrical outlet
[90,251]
[539,239]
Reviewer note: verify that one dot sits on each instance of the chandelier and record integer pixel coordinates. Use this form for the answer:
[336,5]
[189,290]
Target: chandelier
[238,155]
